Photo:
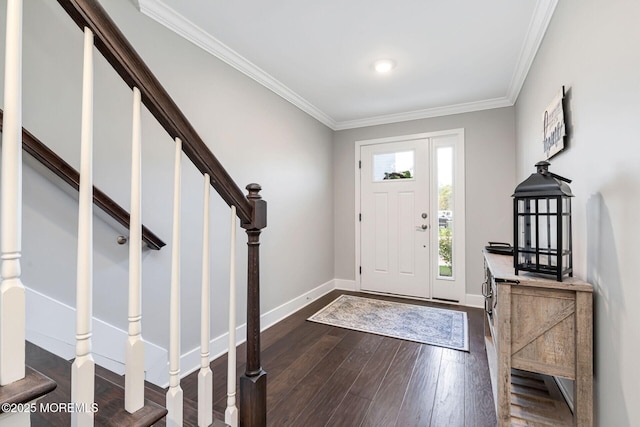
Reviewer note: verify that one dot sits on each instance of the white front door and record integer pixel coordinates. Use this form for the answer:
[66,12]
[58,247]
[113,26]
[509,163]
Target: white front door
[395,221]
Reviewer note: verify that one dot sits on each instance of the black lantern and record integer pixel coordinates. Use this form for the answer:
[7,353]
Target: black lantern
[542,224]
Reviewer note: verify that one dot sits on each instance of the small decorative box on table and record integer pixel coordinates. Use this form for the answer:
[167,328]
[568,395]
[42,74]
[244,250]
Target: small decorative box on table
[537,324]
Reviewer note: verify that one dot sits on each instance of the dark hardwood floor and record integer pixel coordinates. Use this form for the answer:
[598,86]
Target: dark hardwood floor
[318,375]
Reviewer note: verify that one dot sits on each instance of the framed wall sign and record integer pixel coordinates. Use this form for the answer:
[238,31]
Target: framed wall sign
[553,128]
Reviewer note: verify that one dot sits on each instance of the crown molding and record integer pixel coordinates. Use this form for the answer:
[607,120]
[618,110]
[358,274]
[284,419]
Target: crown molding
[165,15]
[168,17]
[537,28]
[448,110]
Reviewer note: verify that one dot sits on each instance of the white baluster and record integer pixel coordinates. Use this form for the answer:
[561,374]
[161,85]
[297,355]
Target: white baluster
[205,377]
[231,413]
[83,368]
[12,297]
[174,395]
[134,350]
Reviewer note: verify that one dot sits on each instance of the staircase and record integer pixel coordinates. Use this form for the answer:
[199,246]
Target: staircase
[32,378]
[109,391]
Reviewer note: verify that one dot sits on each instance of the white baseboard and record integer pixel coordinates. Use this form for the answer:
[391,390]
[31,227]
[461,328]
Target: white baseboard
[473,300]
[108,341]
[107,344]
[345,285]
[108,347]
[190,361]
[272,317]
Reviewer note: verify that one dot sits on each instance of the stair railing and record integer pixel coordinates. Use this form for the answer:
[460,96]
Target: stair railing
[63,170]
[101,32]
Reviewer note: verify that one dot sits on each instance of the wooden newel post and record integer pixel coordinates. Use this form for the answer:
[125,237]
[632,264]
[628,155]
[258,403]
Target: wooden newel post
[253,384]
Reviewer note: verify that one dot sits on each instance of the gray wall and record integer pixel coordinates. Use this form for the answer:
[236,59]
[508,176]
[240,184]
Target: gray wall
[591,47]
[490,179]
[257,136]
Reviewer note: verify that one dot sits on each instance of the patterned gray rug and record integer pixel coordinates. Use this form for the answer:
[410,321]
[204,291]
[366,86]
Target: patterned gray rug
[427,325]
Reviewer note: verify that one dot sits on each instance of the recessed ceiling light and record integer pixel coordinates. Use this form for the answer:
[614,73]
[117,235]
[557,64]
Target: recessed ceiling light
[383,66]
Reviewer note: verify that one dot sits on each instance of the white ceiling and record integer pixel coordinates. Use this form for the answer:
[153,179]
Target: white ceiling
[452,56]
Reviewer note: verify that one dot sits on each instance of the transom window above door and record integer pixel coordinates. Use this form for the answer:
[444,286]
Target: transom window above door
[397,165]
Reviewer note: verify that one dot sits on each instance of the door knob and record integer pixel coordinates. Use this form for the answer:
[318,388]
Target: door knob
[425,226]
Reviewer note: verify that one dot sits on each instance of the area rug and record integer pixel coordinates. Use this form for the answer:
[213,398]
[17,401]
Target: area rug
[427,325]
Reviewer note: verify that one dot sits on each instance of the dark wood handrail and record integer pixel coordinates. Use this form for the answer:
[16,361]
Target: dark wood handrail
[68,174]
[117,50]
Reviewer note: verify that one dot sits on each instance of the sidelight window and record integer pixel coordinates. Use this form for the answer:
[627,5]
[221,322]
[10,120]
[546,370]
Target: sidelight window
[446,214]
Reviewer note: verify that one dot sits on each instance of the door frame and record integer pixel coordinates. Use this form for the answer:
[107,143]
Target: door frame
[459,201]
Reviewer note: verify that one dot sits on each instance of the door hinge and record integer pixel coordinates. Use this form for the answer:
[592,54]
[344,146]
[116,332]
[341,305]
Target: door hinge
[360,269]
[359,164]
[360,217]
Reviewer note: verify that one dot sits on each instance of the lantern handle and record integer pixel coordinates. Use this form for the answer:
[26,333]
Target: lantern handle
[543,169]
[561,178]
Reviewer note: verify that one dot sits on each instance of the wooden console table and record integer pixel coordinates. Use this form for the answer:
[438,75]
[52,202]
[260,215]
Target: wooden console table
[536,324]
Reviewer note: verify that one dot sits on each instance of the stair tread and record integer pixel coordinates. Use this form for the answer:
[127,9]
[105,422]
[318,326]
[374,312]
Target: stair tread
[156,394]
[32,386]
[108,395]
[112,413]
[108,403]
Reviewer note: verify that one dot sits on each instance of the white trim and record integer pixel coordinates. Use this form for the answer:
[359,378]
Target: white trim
[272,317]
[537,28]
[165,15]
[357,168]
[408,137]
[108,344]
[168,17]
[473,300]
[345,285]
[460,202]
[447,110]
